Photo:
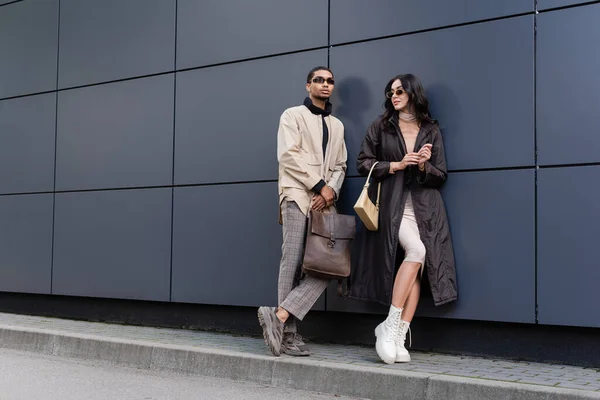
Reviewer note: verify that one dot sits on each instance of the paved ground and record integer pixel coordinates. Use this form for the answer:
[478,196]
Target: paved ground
[354,357]
[26,376]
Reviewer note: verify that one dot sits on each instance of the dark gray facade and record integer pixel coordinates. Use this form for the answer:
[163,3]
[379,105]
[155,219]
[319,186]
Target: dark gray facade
[138,138]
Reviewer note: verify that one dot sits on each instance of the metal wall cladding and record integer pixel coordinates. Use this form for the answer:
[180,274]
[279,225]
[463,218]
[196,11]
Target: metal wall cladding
[226,250]
[29,47]
[151,128]
[214,32]
[474,77]
[27,136]
[26,243]
[548,4]
[116,135]
[353,20]
[492,221]
[568,232]
[227,117]
[568,88]
[114,244]
[113,39]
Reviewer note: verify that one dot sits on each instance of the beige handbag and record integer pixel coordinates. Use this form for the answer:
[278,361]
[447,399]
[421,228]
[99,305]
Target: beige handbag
[364,207]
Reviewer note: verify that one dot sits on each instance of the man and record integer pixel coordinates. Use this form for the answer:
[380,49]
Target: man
[312,164]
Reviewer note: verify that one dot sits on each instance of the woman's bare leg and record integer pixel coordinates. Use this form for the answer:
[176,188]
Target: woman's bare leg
[411,303]
[404,283]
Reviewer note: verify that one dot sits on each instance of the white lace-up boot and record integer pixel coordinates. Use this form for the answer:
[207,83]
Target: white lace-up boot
[386,333]
[402,354]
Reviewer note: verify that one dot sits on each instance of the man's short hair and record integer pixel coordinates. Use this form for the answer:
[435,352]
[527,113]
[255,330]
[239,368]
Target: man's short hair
[311,74]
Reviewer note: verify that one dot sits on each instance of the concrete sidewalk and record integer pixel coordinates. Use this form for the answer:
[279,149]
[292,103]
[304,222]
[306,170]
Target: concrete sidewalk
[345,370]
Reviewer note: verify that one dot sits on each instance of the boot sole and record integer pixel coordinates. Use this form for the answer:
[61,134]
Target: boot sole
[268,341]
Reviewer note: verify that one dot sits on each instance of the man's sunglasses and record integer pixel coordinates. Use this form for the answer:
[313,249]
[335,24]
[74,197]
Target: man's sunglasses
[397,92]
[320,80]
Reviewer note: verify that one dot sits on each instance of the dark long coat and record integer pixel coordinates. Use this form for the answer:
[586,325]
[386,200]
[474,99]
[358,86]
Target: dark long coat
[374,264]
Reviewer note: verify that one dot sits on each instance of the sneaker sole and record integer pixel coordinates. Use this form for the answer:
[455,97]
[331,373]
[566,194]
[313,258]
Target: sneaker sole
[263,325]
[296,354]
[403,359]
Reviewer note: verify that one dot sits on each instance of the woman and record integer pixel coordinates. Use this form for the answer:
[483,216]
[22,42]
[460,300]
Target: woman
[407,145]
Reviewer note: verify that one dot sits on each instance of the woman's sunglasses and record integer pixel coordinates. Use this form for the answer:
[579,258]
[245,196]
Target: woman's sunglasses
[397,92]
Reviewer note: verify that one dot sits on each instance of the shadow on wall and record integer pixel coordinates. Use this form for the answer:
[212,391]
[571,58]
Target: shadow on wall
[445,108]
[354,98]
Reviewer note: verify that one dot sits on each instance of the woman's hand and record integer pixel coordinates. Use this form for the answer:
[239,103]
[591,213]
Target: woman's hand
[424,155]
[409,159]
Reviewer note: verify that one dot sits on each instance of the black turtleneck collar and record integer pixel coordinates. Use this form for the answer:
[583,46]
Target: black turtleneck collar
[316,110]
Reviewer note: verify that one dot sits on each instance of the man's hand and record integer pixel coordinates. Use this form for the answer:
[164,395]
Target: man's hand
[328,194]
[318,203]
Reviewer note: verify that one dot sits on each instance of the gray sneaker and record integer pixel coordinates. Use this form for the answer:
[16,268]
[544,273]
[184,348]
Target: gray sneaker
[272,329]
[293,345]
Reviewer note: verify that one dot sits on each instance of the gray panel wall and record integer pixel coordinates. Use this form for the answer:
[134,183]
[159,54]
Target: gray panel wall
[493,235]
[26,243]
[113,244]
[566,59]
[27,144]
[547,4]
[246,133]
[567,135]
[206,251]
[28,45]
[247,29]
[244,252]
[116,135]
[115,39]
[353,20]
[171,107]
[568,234]
[470,72]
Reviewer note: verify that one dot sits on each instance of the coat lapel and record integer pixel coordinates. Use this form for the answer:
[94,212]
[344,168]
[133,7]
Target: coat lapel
[421,136]
[394,122]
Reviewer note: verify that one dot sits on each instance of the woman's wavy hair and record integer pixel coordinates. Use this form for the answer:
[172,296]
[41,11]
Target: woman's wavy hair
[416,97]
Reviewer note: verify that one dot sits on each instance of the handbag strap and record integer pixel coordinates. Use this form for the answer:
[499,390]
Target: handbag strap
[378,186]
[331,231]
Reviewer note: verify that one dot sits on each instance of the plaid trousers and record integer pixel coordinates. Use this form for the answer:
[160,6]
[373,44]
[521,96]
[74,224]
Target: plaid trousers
[295,296]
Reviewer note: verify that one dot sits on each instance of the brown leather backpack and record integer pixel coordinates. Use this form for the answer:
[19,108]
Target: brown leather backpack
[327,250]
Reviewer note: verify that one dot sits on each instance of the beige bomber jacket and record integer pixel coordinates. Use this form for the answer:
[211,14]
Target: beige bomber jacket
[300,155]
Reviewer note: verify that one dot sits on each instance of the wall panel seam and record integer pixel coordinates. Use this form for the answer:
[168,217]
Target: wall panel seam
[173,158]
[55,147]
[434,29]
[535,156]
[547,10]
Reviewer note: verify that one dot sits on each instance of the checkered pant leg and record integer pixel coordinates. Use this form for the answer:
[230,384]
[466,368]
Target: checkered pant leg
[297,297]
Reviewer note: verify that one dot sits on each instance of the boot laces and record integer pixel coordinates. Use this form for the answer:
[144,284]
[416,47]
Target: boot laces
[401,335]
[298,339]
[393,326]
